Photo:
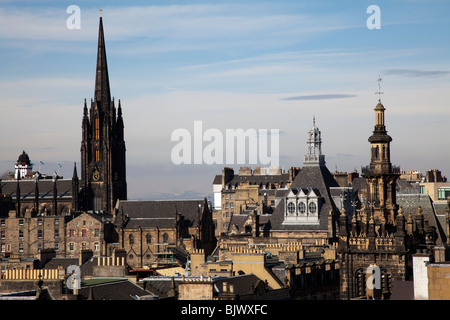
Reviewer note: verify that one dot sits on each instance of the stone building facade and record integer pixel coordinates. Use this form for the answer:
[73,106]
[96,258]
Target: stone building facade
[161,233]
[27,235]
[89,231]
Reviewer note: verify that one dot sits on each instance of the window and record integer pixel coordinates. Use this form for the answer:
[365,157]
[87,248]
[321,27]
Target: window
[83,233]
[20,222]
[84,222]
[40,222]
[302,207]
[291,207]
[56,222]
[312,208]
[148,237]
[56,233]
[443,193]
[2,222]
[165,238]
[71,246]
[97,232]
[96,246]
[71,233]
[131,239]
[39,234]
[97,128]
[3,234]
[56,246]
[20,234]
[20,247]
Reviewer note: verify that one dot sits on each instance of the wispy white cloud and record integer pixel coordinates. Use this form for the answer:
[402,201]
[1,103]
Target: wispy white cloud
[417,73]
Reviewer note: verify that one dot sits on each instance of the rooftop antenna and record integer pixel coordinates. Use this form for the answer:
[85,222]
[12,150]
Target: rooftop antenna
[379,92]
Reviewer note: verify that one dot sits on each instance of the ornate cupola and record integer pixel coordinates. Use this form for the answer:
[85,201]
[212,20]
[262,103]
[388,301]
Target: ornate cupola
[314,154]
[23,166]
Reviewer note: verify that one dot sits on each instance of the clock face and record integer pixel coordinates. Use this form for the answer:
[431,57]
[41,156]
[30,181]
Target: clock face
[96,175]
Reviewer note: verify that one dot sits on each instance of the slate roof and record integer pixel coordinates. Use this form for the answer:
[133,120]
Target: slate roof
[243,284]
[410,202]
[122,289]
[158,213]
[28,187]
[403,186]
[238,221]
[315,176]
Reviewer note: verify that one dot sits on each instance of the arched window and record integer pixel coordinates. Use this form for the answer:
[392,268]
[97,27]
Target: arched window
[148,237]
[302,207]
[312,208]
[165,238]
[360,283]
[131,239]
[291,207]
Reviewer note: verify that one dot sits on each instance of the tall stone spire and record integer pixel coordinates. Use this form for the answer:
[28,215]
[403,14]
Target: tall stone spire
[102,92]
[103,169]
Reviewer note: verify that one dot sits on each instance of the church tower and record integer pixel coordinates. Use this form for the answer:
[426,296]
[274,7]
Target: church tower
[381,176]
[103,176]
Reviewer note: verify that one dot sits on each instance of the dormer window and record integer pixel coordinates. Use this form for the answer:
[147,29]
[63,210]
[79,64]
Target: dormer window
[291,207]
[302,207]
[312,208]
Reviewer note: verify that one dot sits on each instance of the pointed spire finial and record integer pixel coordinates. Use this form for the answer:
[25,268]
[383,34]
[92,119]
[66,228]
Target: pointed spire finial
[379,92]
[102,92]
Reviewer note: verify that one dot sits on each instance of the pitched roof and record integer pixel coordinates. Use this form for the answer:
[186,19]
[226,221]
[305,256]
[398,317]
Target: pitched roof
[45,186]
[158,213]
[410,203]
[118,289]
[317,177]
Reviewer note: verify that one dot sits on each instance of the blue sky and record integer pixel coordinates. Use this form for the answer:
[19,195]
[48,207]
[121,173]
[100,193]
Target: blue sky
[230,64]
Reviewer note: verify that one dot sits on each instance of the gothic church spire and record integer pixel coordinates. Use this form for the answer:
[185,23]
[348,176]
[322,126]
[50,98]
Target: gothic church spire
[102,91]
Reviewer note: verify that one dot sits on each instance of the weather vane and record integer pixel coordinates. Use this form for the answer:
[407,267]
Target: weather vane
[379,92]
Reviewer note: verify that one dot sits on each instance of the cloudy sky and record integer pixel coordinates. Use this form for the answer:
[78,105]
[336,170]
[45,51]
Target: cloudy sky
[231,64]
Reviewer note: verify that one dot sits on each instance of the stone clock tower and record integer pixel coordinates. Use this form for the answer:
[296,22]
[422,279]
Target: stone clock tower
[103,176]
